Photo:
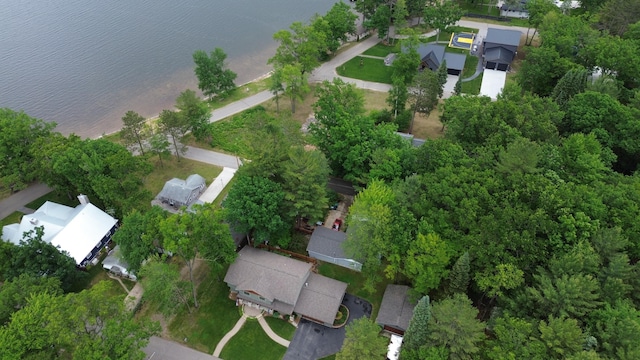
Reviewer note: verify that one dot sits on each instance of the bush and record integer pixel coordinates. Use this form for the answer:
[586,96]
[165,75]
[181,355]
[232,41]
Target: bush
[403,120]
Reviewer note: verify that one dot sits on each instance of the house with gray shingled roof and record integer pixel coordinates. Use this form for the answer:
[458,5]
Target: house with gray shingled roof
[177,192]
[433,55]
[499,48]
[396,309]
[326,244]
[273,282]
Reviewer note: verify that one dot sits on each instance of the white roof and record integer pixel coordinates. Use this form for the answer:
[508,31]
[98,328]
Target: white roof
[75,230]
[393,351]
[492,83]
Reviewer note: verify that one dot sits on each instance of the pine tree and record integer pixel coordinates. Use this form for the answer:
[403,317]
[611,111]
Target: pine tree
[416,334]
[442,77]
[459,275]
[457,89]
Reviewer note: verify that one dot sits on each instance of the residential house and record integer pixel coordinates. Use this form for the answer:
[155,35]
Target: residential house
[326,244]
[178,193]
[432,56]
[396,309]
[500,48]
[273,282]
[81,231]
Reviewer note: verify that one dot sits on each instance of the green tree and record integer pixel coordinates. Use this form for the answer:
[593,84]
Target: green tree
[163,286]
[616,16]
[341,22]
[296,83]
[423,94]
[542,69]
[174,125]
[134,130]
[514,338]
[400,15]
[617,328]
[407,61]
[159,145]
[368,238]
[380,21]
[561,336]
[299,47]
[213,78]
[426,261]
[15,293]
[573,296]
[459,275]
[196,113]
[304,182]
[49,262]
[362,341]
[398,96]
[20,134]
[494,282]
[442,76]
[572,83]
[199,234]
[454,324]
[457,89]
[253,207]
[418,330]
[139,237]
[537,9]
[442,15]
[276,86]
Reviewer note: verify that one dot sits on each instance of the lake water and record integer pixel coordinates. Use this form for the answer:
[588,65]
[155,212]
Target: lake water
[84,63]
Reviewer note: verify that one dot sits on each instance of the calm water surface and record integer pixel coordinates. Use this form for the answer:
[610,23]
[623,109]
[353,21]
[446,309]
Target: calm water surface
[84,63]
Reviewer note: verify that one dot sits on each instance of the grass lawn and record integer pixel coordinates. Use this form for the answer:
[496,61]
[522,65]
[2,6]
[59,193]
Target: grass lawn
[355,281]
[383,50]
[330,357]
[481,9]
[240,93]
[217,314]
[470,66]
[251,342]
[472,87]
[281,327]
[371,70]
[13,218]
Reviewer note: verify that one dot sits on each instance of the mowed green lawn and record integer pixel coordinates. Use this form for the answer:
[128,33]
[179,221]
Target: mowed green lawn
[281,327]
[371,70]
[251,342]
[217,315]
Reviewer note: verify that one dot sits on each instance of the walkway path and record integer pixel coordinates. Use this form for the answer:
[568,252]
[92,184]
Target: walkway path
[250,313]
[229,335]
[240,105]
[267,329]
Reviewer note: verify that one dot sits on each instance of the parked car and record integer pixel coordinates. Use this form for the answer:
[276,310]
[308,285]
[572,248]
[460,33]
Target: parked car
[337,224]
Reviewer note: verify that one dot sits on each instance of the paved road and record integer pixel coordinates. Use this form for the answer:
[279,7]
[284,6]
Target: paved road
[240,105]
[161,349]
[212,157]
[16,201]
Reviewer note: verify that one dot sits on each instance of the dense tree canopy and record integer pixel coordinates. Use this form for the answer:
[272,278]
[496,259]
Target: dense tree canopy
[213,78]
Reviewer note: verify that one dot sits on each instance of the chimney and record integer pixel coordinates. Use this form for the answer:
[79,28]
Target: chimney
[84,199]
[33,221]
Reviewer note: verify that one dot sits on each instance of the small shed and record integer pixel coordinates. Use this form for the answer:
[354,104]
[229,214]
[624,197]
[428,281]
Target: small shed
[116,264]
[326,245]
[396,309]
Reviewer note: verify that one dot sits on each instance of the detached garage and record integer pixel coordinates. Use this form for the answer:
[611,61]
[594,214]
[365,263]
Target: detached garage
[500,48]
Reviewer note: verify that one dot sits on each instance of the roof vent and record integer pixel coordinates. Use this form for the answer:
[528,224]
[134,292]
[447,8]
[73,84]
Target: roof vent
[84,199]
[306,284]
[33,221]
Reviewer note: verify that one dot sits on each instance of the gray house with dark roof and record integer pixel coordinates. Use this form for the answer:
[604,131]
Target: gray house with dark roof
[396,309]
[499,48]
[432,56]
[177,192]
[326,244]
[272,282]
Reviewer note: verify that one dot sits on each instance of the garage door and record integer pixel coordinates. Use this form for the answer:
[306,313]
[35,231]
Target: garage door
[453,72]
[503,67]
[490,65]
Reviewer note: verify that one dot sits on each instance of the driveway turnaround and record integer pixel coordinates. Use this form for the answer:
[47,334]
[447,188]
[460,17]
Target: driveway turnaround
[313,341]
[161,349]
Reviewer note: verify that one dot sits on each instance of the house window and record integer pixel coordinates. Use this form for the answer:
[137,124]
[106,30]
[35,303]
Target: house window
[261,298]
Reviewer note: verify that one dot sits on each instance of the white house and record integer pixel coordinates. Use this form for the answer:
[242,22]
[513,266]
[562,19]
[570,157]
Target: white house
[81,231]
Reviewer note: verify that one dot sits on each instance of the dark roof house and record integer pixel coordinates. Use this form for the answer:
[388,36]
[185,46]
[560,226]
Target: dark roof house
[432,56]
[273,282]
[326,244]
[396,309]
[177,192]
[500,48]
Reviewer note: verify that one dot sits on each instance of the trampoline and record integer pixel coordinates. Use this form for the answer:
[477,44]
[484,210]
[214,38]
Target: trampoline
[462,40]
